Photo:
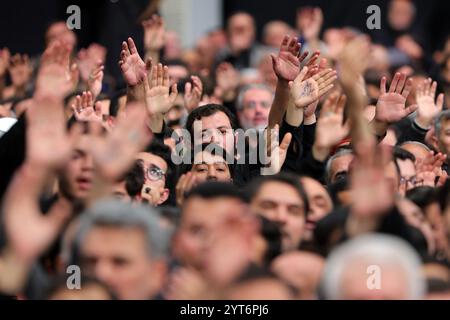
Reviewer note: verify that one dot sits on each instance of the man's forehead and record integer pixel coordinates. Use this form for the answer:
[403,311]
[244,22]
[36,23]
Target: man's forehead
[152,159]
[258,94]
[214,121]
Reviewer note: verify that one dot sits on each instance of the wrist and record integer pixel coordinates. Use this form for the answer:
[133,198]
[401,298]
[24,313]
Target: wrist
[320,153]
[310,120]
[423,122]
[379,127]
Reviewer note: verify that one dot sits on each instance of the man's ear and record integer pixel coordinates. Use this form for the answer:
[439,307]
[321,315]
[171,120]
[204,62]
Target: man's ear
[164,196]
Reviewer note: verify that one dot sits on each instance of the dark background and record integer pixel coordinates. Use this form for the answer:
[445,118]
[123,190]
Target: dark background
[23,22]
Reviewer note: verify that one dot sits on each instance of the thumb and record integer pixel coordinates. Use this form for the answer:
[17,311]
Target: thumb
[274,60]
[286,141]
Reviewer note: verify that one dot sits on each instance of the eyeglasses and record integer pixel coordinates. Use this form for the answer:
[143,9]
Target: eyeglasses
[154,173]
[413,181]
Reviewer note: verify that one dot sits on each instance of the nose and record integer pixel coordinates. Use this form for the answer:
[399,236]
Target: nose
[104,271]
[280,215]
[88,163]
[212,174]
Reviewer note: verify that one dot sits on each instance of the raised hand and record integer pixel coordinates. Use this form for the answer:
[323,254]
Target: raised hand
[186,182]
[157,91]
[84,108]
[49,146]
[429,170]
[153,33]
[287,63]
[311,20]
[276,151]
[20,70]
[227,79]
[95,80]
[330,129]
[115,152]
[133,67]
[56,77]
[4,61]
[372,194]
[427,108]
[305,92]
[391,105]
[193,93]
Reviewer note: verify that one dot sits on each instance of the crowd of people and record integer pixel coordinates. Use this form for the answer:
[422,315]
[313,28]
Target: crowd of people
[310,165]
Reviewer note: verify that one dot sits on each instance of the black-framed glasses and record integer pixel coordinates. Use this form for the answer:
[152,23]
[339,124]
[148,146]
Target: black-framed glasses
[155,173]
[413,181]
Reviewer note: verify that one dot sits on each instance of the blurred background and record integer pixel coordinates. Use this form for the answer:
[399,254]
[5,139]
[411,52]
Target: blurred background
[108,22]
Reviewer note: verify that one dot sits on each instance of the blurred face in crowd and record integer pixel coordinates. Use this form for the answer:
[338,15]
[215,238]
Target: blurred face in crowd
[91,291]
[208,167]
[256,107]
[59,31]
[407,175]
[274,33]
[177,72]
[120,258]
[155,168]
[217,129]
[444,137]
[281,203]
[241,32]
[433,214]
[260,289]
[401,14]
[420,152]
[393,282]
[339,166]
[199,220]
[320,204]
[76,178]
[302,270]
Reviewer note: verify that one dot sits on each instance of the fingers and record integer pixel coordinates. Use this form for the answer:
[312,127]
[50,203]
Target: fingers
[440,102]
[132,46]
[165,76]
[301,75]
[174,93]
[394,82]
[407,88]
[410,109]
[286,141]
[383,85]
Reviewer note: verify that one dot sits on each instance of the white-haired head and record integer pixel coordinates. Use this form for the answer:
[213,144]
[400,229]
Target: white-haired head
[352,268]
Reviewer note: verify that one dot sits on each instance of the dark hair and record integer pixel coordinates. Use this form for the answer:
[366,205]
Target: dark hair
[401,154]
[206,111]
[422,196]
[211,190]
[159,149]
[213,149]
[114,105]
[287,178]
[340,185]
[271,232]
[134,179]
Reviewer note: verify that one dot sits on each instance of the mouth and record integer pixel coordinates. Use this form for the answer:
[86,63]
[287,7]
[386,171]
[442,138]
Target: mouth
[84,183]
[310,225]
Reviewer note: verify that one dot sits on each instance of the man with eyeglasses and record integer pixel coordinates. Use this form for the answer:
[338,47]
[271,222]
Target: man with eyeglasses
[405,162]
[253,106]
[157,168]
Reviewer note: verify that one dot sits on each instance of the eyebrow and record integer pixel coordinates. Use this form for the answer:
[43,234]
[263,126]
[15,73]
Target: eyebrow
[218,128]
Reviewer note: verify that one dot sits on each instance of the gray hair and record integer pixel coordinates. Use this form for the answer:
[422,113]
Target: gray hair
[116,213]
[338,154]
[244,89]
[379,249]
[442,116]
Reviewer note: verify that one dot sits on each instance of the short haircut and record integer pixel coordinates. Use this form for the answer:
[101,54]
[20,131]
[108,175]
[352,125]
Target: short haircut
[212,190]
[244,89]
[441,117]
[340,153]
[116,213]
[157,148]
[134,179]
[206,111]
[373,249]
[287,178]
[402,154]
